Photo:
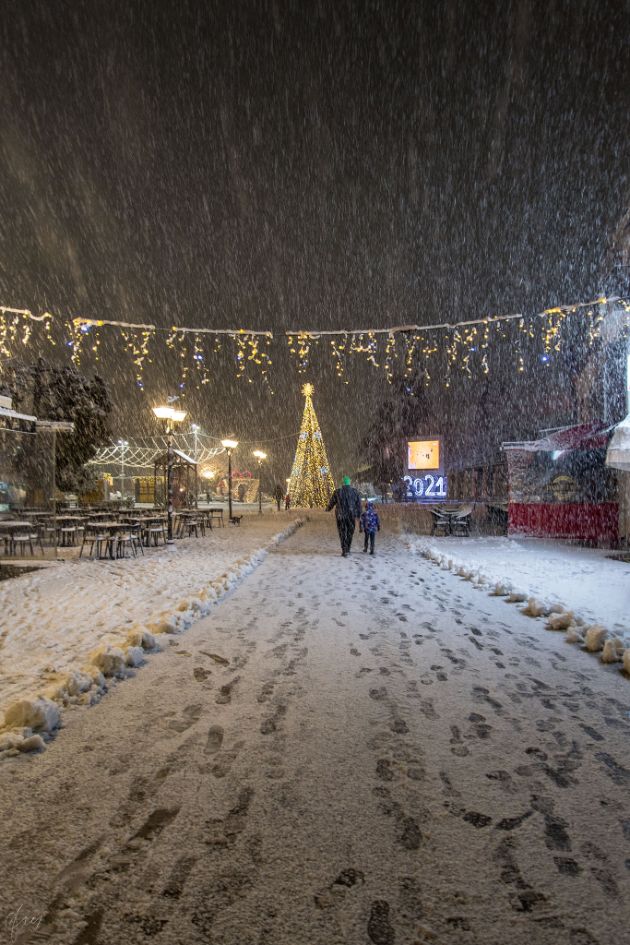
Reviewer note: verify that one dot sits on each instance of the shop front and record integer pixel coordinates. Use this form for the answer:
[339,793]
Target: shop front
[560,487]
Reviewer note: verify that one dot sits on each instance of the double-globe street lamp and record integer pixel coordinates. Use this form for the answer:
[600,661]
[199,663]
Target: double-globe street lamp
[229,445]
[260,456]
[170,416]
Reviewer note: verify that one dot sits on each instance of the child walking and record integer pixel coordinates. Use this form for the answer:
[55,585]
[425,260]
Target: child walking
[369,524]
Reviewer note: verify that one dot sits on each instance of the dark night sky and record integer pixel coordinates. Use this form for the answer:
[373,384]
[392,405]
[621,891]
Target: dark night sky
[311,164]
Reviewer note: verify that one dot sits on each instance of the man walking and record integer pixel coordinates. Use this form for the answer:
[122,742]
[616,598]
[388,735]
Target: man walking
[347,505]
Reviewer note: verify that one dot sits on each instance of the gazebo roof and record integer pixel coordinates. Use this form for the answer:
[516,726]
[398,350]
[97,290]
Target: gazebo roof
[181,459]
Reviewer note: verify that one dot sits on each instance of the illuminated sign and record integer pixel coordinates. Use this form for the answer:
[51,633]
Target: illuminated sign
[425,463]
[426,488]
[424,454]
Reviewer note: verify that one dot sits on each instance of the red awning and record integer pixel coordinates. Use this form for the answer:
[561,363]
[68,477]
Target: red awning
[585,436]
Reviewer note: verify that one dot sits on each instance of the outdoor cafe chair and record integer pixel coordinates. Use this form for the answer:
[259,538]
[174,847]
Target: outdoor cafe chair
[154,533]
[192,527]
[19,541]
[460,521]
[129,539]
[97,540]
[440,523]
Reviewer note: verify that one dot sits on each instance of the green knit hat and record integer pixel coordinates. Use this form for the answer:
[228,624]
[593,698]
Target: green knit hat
[346,480]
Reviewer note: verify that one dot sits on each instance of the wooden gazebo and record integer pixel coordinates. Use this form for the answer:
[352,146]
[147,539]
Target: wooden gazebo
[185,479]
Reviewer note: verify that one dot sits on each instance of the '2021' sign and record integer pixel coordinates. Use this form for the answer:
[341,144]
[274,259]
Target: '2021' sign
[426,487]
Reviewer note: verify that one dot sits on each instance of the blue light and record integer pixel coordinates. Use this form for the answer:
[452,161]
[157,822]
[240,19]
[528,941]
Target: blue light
[472,349]
[544,358]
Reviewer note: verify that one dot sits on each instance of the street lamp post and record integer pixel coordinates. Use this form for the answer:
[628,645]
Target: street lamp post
[170,416]
[260,456]
[195,432]
[229,445]
[123,446]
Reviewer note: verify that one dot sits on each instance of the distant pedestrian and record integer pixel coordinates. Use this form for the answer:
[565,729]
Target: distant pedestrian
[369,524]
[287,502]
[346,502]
[278,494]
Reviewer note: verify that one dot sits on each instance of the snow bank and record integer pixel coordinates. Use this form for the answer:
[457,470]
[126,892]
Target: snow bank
[72,628]
[535,572]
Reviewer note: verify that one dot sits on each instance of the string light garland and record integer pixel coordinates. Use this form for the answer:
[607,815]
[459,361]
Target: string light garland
[463,346]
[143,451]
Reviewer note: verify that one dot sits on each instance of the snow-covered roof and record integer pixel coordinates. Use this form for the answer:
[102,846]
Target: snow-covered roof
[14,415]
[585,436]
[162,457]
[187,459]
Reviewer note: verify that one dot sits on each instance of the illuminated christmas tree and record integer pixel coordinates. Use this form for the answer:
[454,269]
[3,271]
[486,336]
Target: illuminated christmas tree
[311,483]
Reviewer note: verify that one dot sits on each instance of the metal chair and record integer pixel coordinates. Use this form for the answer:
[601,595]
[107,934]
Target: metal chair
[129,539]
[460,521]
[441,523]
[96,540]
[154,533]
[19,540]
[192,527]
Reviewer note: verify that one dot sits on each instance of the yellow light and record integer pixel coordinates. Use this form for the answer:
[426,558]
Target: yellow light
[163,413]
[259,454]
[229,444]
[307,390]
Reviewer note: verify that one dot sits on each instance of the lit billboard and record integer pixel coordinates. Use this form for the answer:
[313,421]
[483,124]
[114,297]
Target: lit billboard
[424,454]
[424,481]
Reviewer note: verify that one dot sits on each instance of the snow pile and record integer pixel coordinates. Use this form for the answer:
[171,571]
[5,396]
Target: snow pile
[613,651]
[534,608]
[594,638]
[560,621]
[533,572]
[71,627]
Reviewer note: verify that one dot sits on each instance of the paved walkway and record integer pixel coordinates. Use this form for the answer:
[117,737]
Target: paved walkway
[362,750]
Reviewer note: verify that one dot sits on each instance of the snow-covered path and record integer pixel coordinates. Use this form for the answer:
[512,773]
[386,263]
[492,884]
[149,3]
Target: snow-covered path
[344,752]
